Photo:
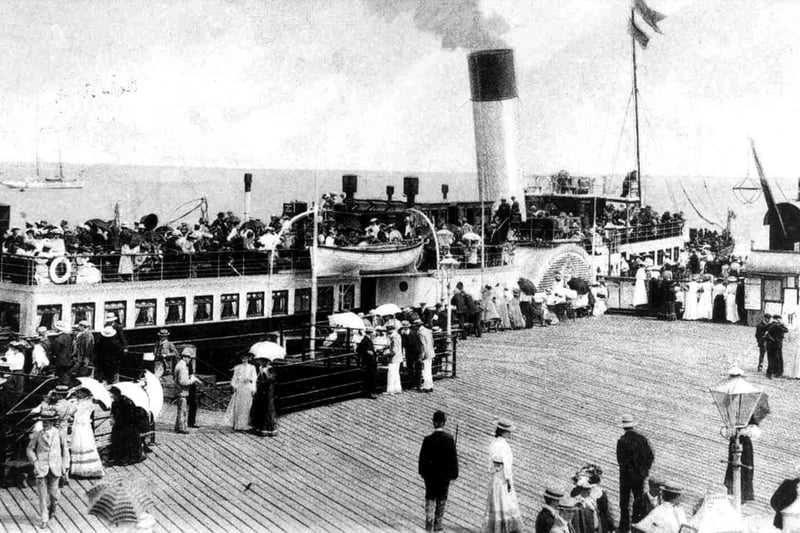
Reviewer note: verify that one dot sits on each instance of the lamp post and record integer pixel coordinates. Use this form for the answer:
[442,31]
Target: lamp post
[447,266]
[736,400]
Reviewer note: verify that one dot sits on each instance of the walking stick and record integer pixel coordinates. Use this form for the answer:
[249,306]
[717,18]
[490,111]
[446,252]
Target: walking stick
[455,440]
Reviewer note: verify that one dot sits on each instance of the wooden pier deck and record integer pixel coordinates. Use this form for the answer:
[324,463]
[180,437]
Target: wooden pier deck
[351,467]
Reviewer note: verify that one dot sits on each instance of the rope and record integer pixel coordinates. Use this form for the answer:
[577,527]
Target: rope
[189,212]
[621,132]
[689,199]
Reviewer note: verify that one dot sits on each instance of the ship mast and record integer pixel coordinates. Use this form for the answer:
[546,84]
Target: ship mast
[636,117]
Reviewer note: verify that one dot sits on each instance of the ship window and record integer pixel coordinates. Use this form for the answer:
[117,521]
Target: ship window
[302,301]
[255,304]
[176,310]
[791,282]
[403,286]
[83,312]
[9,316]
[117,309]
[145,313]
[48,315]
[280,302]
[203,308]
[325,299]
[347,297]
[660,257]
[230,306]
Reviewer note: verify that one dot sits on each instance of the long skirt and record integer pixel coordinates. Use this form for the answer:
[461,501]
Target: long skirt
[85,461]
[393,385]
[238,413]
[718,313]
[427,374]
[747,473]
[502,510]
[263,418]
[126,444]
[668,310]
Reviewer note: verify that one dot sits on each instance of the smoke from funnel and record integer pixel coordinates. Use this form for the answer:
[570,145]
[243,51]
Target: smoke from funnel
[459,23]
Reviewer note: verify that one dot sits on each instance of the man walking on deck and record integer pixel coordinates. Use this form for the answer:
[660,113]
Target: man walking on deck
[634,457]
[183,380]
[774,342]
[761,328]
[438,466]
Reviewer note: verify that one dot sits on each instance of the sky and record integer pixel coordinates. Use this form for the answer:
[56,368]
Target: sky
[383,85]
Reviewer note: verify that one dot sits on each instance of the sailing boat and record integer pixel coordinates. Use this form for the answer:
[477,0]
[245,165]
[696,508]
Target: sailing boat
[51,182]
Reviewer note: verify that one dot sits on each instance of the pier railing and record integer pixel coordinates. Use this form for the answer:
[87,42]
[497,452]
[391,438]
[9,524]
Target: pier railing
[105,268]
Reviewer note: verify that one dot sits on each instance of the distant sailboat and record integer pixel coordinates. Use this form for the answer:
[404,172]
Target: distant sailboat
[52,182]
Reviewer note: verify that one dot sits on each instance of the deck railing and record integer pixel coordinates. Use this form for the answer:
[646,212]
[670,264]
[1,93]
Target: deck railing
[105,268]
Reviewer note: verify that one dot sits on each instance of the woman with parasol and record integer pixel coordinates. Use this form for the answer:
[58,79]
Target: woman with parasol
[243,383]
[263,418]
[85,461]
[126,442]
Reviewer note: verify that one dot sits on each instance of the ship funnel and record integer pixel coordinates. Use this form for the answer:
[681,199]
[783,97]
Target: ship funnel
[411,189]
[248,184]
[349,186]
[494,107]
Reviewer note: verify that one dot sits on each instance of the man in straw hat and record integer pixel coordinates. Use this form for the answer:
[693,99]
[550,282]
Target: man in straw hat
[438,466]
[49,454]
[667,516]
[113,320]
[61,349]
[566,510]
[546,518]
[183,380]
[634,457]
[165,354]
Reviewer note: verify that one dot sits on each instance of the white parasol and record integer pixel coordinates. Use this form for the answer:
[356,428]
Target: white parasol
[346,320]
[268,350]
[98,391]
[135,392]
[155,393]
[471,236]
[387,309]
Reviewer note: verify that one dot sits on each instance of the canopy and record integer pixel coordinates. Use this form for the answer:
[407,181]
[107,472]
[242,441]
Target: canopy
[346,320]
[387,309]
[268,350]
[99,391]
[135,392]
[155,393]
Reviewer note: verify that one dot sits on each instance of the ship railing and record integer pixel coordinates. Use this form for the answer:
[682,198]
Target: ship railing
[105,268]
[619,236]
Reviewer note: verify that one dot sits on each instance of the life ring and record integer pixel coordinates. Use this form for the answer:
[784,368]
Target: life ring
[55,265]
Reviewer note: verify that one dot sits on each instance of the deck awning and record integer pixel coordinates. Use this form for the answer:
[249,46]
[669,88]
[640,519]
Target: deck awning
[778,263]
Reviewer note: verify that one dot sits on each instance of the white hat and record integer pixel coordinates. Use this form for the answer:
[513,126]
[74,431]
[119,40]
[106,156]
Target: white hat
[63,327]
[108,331]
[111,317]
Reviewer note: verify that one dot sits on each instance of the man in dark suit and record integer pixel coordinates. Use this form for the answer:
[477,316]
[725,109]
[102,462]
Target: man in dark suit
[634,457]
[412,347]
[547,516]
[366,355]
[438,466]
[774,341]
[761,328]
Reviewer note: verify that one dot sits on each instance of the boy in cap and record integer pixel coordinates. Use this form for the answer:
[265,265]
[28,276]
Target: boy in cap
[634,457]
[438,466]
[547,516]
[48,453]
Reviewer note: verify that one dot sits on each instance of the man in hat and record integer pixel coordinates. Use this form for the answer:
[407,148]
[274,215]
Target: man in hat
[566,510]
[83,349]
[774,344]
[62,350]
[183,380]
[668,516]
[49,454]
[438,466]
[113,320]
[373,229]
[365,350]
[650,500]
[413,350]
[634,457]
[164,353]
[546,518]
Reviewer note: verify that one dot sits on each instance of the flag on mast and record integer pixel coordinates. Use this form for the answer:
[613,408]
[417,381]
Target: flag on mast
[650,16]
[640,36]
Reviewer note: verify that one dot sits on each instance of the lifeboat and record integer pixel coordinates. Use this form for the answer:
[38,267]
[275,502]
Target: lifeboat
[371,259]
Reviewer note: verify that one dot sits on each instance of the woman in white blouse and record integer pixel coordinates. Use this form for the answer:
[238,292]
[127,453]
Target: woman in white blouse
[502,510]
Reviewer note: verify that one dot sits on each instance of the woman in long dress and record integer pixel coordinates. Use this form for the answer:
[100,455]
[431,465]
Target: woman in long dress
[84,461]
[501,304]
[126,442]
[263,418]
[502,510]
[243,383]
[746,437]
[487,302]
[705,307]
[691,299]
[718,308]
[640,289]
[393,383]
[515,311]
[600,296]
[731,308]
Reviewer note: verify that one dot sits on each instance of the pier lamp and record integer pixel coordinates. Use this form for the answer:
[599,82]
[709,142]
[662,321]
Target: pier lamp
[736,400]
[448,266]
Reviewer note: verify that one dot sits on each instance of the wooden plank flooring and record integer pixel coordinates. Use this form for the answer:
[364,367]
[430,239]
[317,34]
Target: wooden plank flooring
[351,467]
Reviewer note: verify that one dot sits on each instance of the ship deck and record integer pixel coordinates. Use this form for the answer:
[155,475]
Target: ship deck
[351,467]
